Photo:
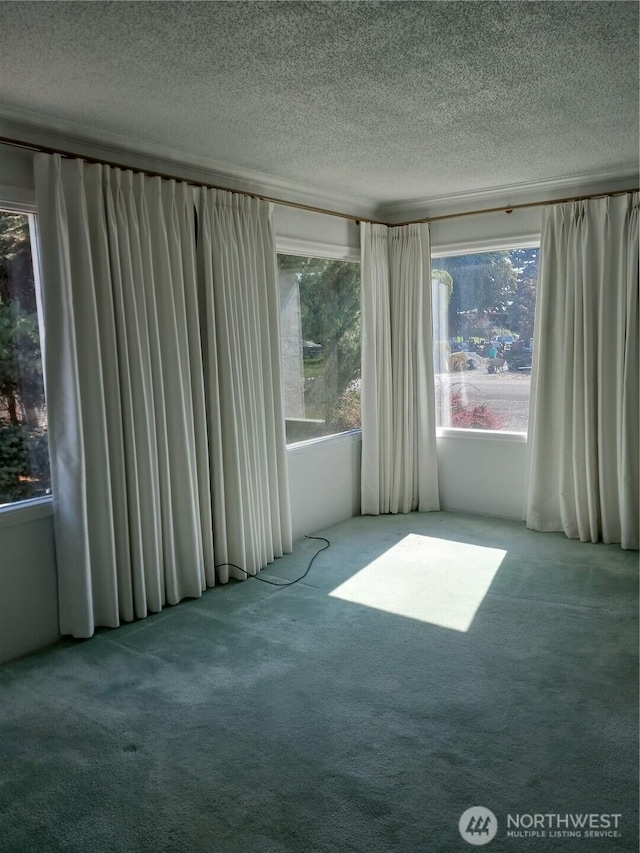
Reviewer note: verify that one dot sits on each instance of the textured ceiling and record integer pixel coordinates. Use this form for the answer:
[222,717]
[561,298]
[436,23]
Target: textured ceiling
[388,101]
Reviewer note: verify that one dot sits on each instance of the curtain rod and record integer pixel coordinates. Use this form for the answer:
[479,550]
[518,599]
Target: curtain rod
[44,149]
[17,143]
[512,207]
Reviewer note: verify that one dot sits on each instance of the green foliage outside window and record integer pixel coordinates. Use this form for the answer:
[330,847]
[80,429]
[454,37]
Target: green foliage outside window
[24,461]
[491,293]
[329,327]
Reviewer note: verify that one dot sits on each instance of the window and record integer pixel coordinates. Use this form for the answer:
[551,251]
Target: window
[24,459]
[483,308]
[320,332]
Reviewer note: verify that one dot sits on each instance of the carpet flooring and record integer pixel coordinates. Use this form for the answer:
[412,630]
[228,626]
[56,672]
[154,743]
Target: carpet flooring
[427,664]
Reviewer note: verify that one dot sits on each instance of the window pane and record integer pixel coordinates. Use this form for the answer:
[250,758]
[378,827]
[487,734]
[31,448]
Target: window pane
[320,328]
[24,459]
[484,307]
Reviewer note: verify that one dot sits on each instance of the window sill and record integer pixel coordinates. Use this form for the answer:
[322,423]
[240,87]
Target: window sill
[23,512]
[482,434]
[324,441]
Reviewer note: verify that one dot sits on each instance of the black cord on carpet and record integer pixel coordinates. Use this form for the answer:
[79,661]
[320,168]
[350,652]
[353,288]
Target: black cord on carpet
[282,583]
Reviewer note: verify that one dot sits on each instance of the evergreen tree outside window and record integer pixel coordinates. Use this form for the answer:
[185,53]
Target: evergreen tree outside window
[24,457]
[320,341]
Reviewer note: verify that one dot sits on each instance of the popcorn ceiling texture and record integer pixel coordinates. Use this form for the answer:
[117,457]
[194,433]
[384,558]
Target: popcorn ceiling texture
[389,101]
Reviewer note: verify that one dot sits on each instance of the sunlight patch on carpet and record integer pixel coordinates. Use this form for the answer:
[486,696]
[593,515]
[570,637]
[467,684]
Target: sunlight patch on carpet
[432,580]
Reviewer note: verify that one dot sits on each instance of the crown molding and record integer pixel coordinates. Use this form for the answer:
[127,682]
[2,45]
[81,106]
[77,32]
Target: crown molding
[81,141]
[498,197]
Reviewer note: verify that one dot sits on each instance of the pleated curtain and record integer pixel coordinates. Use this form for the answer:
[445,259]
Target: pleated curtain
[376,412]
[241,340]
[129,394]
[399,460]
[584,420]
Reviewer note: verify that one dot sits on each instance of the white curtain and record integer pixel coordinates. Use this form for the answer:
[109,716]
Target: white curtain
[241,340]
[376,411]
[128,394]
[399,461]
[584,421]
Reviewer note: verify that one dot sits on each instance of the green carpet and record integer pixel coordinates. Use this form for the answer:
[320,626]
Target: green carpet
[427,664]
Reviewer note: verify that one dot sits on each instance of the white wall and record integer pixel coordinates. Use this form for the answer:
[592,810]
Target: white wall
[324,479]
[16,176]
[482,473]
[306,232]
[28,581]
[486,232]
